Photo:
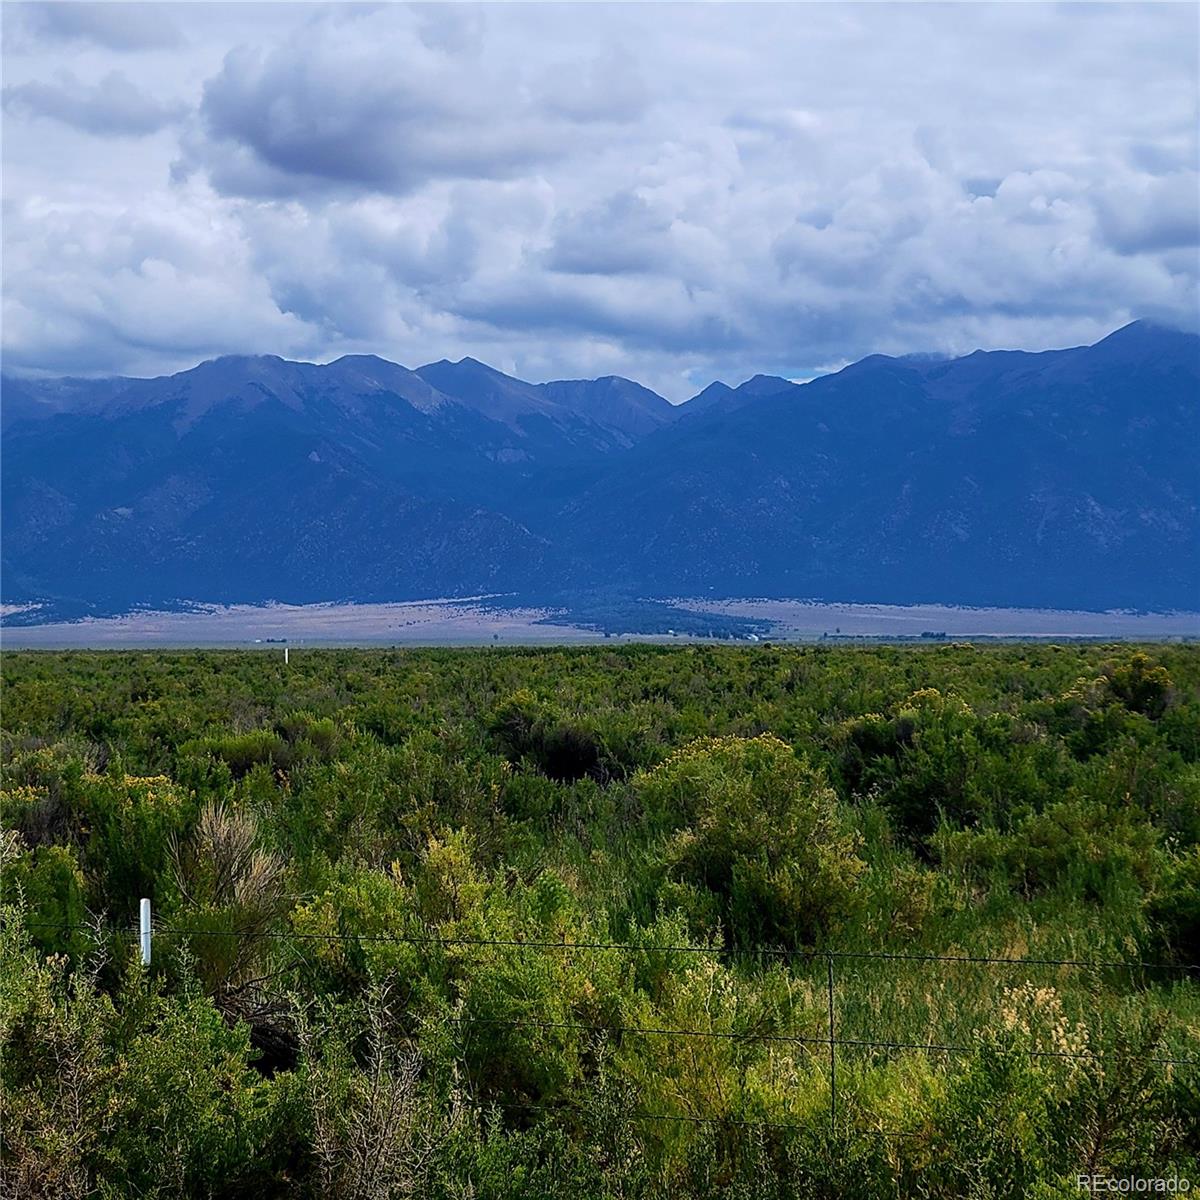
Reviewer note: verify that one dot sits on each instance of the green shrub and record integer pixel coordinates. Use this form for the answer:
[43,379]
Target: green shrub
[243,751]
[1174,909]
[127,824]
[1140,685]
[137,1093]
[923,762]
[232,893]
[47,885]
[760,828]
[1077,849]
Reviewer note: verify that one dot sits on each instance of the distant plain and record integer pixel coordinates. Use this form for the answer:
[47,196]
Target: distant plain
[480,620]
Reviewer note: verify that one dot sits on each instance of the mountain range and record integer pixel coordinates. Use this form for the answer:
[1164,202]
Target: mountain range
[1065,478]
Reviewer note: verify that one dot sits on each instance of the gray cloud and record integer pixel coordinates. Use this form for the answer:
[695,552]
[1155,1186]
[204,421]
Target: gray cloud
[650,314]
[608,88]
[348,110]
[452,28]
[114,107]
[670,193]
[622,235]
[1150,213]
[117,26]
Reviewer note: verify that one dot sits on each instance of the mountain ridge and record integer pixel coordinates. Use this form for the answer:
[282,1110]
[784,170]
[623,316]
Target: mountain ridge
[1053,478]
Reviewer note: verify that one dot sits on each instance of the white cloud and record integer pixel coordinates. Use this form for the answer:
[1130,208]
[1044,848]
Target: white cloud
[143,290]
[672,193]
[113,107]
[113,25]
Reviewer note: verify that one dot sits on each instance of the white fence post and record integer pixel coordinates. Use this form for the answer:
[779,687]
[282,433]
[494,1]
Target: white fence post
[145,931]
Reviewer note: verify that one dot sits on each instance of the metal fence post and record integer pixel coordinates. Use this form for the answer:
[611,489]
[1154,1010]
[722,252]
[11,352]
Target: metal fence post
[144,923]
[832,1049]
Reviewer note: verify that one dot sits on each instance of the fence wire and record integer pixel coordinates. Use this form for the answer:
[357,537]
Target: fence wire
[827,957]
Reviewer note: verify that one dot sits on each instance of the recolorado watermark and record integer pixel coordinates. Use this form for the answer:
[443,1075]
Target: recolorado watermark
[1133,1184]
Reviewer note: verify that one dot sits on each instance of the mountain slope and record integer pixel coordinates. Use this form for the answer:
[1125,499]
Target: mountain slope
[609,412]
[254,477]
[1066,478]
[720,396]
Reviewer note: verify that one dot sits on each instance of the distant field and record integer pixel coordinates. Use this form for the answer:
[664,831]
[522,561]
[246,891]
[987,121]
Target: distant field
[804,619]
[476,620]
[421,622]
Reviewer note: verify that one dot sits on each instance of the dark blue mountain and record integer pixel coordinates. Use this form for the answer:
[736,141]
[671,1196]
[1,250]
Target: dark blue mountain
[622,408]
[245,478]
[725,398]
[1067,478]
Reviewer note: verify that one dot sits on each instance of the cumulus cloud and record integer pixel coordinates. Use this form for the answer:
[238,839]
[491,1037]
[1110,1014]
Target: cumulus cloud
[381,104]
[1151,213]
[674,194]
[608,88]
[621,235]
[146,289]
[114,107]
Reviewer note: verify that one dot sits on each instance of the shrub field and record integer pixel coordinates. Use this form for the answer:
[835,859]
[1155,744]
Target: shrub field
[689,921]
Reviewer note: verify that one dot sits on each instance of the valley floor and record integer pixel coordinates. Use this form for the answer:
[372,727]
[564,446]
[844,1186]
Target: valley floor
[482,620]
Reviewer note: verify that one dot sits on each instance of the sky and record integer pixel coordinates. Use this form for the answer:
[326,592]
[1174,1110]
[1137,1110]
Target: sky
[673,192]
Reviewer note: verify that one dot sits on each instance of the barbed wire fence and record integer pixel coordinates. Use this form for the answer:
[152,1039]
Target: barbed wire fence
[831,1042]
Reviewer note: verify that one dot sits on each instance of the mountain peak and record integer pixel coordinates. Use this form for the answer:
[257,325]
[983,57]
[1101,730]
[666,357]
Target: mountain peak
[614,404]
[714,389]
[622,405]
[1145,331]
[467,363]
[243,360]
[365,360]
[765,385]
[1145,343]
[717,395]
